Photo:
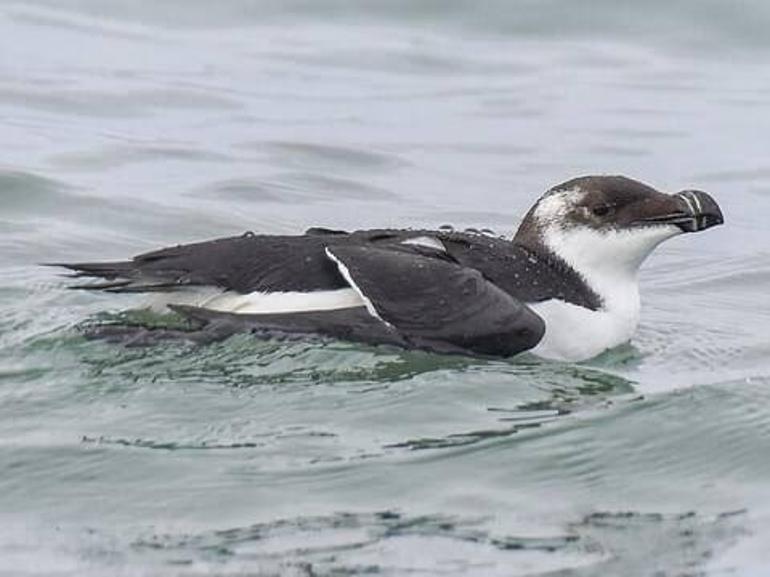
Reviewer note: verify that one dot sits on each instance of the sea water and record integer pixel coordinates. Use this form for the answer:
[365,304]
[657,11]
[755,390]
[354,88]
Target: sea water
[127,126]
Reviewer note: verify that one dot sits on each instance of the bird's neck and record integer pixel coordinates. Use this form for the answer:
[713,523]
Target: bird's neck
[575,332]
[614,283]
[612,275]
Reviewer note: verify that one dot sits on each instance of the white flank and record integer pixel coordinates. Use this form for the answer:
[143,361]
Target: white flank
[609,263]
[261,302]
[346,275]
[426,241]
[574,333]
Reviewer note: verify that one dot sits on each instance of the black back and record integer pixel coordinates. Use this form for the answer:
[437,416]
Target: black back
[250,262]
[529,275]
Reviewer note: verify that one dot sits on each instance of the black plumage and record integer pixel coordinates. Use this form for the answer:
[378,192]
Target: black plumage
[250,262]
[467,298]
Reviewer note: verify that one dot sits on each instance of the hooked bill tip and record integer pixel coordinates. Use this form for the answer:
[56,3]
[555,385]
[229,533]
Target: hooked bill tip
[703,210]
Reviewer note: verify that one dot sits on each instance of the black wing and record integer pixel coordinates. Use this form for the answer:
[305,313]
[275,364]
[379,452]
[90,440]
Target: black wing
[415,297]
[243,264]
[435,303]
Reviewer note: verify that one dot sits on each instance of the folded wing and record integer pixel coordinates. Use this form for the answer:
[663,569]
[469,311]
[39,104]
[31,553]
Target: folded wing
[435,303]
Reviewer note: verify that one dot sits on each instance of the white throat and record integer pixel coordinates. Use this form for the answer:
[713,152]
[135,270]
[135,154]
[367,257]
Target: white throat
[608,261]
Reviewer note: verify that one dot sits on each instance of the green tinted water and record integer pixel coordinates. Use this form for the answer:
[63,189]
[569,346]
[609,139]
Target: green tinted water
[127,126]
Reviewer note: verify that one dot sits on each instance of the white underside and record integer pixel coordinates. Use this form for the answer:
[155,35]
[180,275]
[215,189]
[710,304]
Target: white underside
[574,333]
[259,302]
[609,264]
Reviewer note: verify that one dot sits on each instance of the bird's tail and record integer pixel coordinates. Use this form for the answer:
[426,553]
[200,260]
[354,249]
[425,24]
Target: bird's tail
[118,277]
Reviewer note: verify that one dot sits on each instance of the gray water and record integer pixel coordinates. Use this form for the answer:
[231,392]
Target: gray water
[125,126]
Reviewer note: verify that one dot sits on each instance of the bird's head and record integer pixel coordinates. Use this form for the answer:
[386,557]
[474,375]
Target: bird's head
[610,224]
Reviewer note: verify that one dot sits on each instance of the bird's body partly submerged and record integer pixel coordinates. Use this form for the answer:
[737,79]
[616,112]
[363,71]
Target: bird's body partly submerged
[565,287]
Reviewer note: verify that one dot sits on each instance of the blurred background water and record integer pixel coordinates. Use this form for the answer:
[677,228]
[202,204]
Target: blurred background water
[129,125]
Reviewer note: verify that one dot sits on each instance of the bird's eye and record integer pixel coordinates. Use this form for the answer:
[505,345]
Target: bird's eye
[602,210]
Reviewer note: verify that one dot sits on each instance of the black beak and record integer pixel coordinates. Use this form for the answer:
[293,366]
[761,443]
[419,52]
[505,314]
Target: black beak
[691,211]
[702,211]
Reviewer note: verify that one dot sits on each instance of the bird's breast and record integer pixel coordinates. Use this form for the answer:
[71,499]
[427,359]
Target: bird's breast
[574,333]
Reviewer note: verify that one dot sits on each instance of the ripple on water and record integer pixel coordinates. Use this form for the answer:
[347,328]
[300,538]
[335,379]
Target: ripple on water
[382,393]
[333,188]
[109,157]
[390,542]
[253,190]
[745,176]
[385,542]
[27,192]
[79,23]
[326,156]
[136,103]
[657,441]
[294,187]
[327,458]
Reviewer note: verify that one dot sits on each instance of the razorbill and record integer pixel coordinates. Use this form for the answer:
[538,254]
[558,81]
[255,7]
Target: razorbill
[564,288]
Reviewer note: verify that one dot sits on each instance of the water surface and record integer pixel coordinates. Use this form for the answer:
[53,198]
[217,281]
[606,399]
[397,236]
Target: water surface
[130,125]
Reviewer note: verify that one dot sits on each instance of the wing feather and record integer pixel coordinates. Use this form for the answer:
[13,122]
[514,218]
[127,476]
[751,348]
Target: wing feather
[433,301]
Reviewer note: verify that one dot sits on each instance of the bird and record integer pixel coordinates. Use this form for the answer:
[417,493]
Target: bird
[564,288]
